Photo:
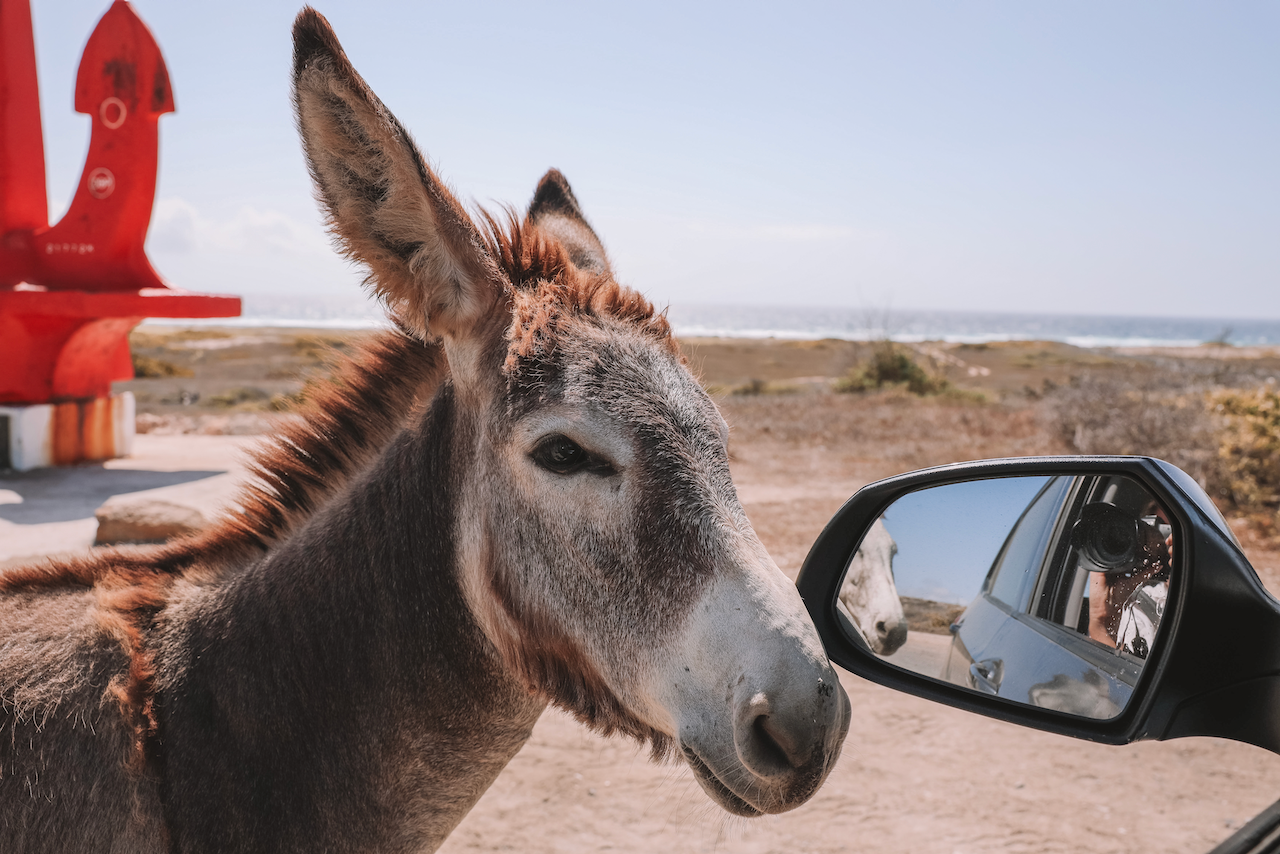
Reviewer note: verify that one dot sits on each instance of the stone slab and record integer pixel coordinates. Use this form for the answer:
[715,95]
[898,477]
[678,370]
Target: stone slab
[51,510]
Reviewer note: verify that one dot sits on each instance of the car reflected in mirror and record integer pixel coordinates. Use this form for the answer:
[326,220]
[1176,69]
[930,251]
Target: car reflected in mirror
[1044,590]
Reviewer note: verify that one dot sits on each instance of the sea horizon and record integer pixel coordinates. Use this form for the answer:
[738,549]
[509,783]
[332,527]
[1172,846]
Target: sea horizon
[700,320]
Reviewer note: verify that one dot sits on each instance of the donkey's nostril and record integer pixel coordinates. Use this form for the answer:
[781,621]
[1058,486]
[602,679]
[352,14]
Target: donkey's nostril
[880,628]
[767,745]
[773,749]
[894,637]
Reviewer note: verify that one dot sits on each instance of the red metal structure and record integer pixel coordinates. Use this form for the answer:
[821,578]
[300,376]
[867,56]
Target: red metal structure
[70,292]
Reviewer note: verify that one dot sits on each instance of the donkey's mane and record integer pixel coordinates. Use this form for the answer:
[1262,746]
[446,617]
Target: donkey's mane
[549,289]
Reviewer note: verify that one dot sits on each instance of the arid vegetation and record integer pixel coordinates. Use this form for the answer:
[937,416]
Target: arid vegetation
[894,366]
[1247,467]
[1214,410]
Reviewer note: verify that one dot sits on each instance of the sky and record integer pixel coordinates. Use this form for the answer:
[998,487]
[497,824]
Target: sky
[949,536]
[1081,158]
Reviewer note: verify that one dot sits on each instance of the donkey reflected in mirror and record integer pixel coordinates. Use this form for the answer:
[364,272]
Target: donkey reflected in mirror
[870,595]
[522,498]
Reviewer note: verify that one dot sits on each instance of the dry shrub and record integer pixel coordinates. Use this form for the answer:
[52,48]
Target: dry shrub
[1248,459]
[1096,415]
[753,386]
[892,366]
[243,396]
[149,367]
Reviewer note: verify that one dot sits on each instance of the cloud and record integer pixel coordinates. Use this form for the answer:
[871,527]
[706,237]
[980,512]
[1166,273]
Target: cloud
[177,227]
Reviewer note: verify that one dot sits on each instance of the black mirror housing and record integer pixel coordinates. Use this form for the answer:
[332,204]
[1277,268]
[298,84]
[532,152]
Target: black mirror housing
[1215,670]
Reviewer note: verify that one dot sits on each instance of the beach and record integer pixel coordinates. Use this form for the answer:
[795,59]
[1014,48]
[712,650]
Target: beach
[913,776]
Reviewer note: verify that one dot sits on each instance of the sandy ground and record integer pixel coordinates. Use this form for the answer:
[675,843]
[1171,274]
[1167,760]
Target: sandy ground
[914,776]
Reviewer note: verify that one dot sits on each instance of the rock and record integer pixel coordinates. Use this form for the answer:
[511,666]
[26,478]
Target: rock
[128,519]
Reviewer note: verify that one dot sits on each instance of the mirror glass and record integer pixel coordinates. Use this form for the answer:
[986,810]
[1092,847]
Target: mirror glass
[1044,590]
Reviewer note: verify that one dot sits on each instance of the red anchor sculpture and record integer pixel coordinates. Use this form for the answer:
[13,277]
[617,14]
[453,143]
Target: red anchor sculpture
[70,293]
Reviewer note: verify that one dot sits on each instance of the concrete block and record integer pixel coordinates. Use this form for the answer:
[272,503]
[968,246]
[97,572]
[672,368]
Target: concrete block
[58,434]
[30,435]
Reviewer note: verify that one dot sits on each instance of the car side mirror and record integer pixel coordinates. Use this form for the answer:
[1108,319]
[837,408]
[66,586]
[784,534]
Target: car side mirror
[1098,597]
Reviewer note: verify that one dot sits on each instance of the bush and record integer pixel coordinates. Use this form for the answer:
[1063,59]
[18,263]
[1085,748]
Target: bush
[1110,416]
[893,366]
[149,368]
[240,397]
[1248,446]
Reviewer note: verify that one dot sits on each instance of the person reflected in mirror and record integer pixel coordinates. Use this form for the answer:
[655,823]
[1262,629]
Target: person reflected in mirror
[1127,603]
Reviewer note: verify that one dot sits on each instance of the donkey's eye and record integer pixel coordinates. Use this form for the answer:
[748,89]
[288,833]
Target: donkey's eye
[561,455]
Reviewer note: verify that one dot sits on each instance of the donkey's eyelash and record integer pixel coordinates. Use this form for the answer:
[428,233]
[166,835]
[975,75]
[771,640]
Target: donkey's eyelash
[562,455]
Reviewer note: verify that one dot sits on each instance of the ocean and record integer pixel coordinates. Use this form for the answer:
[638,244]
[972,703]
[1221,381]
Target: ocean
[803,322]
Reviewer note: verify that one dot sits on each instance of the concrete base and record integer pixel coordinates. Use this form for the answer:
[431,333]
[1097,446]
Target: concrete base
[62,434]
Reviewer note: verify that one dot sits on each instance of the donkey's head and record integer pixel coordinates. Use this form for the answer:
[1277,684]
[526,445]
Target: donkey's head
[602,548]
[870,594]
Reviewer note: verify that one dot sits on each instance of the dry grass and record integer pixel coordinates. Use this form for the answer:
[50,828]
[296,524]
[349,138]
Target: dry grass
[1146,416]
[933,618]
[898,429]
[1228,439]
[151,367]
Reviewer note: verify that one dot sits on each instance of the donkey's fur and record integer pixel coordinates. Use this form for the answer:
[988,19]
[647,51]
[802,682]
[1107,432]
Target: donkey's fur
[522,498]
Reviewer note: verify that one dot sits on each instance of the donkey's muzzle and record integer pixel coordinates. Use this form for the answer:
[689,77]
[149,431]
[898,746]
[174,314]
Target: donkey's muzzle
[785,744]
[890,636]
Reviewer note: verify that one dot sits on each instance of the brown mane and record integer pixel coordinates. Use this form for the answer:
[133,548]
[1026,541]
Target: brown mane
[548,289]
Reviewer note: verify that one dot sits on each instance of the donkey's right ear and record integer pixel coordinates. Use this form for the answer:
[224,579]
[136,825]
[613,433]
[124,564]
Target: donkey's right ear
[555,209]
[384,204]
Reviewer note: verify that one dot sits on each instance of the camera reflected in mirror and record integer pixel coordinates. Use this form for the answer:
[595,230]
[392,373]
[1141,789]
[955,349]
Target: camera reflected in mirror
[1047,591]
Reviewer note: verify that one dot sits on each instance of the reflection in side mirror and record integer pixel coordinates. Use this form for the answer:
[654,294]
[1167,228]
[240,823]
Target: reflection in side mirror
[869,596]
[1048,591]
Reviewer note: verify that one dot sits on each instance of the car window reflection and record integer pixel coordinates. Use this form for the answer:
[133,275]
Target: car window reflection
[1017,568]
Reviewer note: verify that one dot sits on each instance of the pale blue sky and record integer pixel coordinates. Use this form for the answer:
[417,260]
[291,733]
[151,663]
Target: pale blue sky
[949,536]
[1087,157]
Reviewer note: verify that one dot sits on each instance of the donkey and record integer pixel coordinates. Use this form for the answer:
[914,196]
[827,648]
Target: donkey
[869,594]
[522,499]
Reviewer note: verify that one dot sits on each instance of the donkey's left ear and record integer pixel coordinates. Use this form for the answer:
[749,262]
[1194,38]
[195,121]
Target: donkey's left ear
[384,204]
[555,209]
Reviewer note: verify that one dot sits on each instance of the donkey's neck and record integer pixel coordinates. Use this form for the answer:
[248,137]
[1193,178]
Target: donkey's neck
[340,688]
